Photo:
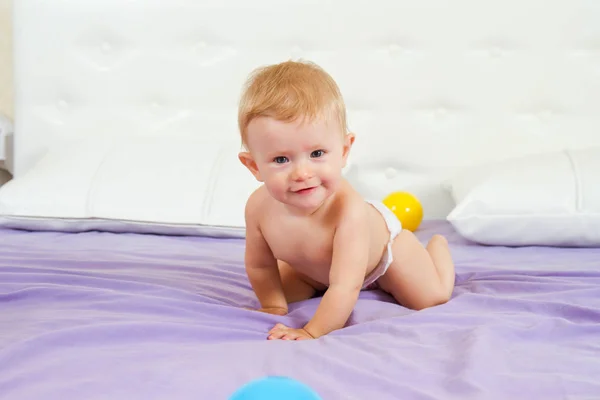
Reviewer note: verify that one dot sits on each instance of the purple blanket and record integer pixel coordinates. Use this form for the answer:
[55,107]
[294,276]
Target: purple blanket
[123,316]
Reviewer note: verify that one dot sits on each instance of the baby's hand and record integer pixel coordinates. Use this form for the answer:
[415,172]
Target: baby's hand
[281,331]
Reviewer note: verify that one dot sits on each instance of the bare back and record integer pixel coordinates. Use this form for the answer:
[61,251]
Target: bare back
[306,242]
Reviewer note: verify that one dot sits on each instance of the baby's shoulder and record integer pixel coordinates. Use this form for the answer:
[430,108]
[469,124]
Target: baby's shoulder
[256,200]
[351,205]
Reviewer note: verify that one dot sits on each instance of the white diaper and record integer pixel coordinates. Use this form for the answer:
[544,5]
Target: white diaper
[395,227]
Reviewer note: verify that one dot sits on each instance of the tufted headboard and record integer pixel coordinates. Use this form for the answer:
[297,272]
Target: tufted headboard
[431,86]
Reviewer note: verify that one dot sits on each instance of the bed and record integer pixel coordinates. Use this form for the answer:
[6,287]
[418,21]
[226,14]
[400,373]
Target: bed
[122,235]
[126,316]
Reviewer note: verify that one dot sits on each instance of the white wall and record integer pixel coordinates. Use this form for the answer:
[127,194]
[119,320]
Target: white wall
[6,72]
[6,84]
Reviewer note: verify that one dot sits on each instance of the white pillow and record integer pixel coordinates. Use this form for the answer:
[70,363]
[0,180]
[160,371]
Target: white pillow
[550,199]
[146,185]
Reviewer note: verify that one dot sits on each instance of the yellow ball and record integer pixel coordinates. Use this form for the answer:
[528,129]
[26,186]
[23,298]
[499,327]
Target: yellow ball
[407,208]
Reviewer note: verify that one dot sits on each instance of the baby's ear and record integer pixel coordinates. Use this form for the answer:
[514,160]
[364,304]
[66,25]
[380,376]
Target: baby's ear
[348,142]
[246,159]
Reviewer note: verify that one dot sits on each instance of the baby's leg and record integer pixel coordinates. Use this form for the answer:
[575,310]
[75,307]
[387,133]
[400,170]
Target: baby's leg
[419,277]
[296,286]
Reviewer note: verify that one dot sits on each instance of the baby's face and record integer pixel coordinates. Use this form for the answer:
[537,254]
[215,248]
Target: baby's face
[300,162]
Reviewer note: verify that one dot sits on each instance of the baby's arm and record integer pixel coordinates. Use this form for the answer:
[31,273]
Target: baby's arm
[347,274]
[261,265]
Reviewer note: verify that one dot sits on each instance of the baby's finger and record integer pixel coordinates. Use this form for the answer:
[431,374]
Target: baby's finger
[276,335]
[278,327]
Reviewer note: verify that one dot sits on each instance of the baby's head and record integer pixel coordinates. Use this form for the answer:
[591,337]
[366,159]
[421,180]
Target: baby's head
[290,91]
[292,121]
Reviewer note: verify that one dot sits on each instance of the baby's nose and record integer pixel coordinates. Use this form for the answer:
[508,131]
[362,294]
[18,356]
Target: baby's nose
[302,172]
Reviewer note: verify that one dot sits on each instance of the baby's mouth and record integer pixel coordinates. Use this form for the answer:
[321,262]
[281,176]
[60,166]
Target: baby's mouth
[305,190]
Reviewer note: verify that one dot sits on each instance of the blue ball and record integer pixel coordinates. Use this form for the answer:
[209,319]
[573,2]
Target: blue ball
[275,388]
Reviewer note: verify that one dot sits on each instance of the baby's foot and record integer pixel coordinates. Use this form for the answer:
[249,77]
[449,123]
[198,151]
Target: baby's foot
[439,239]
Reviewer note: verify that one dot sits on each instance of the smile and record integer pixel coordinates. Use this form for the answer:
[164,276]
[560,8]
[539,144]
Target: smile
[306,190]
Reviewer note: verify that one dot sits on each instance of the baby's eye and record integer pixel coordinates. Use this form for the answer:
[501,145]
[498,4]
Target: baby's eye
[317,153]
[280,159]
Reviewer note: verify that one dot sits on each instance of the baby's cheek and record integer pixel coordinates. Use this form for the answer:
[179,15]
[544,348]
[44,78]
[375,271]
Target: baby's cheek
[280,182]
[275,176]
[332,172]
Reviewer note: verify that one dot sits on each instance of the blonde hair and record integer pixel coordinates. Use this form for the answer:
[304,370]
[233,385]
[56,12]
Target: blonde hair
[288,91]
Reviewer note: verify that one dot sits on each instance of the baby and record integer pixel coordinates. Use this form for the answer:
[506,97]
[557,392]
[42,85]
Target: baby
[307,229]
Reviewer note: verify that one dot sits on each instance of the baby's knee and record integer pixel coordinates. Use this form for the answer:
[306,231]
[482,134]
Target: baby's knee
[435,298]
[442,297]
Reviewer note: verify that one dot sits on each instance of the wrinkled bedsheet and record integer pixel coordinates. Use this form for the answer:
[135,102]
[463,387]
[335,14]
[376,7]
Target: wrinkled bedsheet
[123,316]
